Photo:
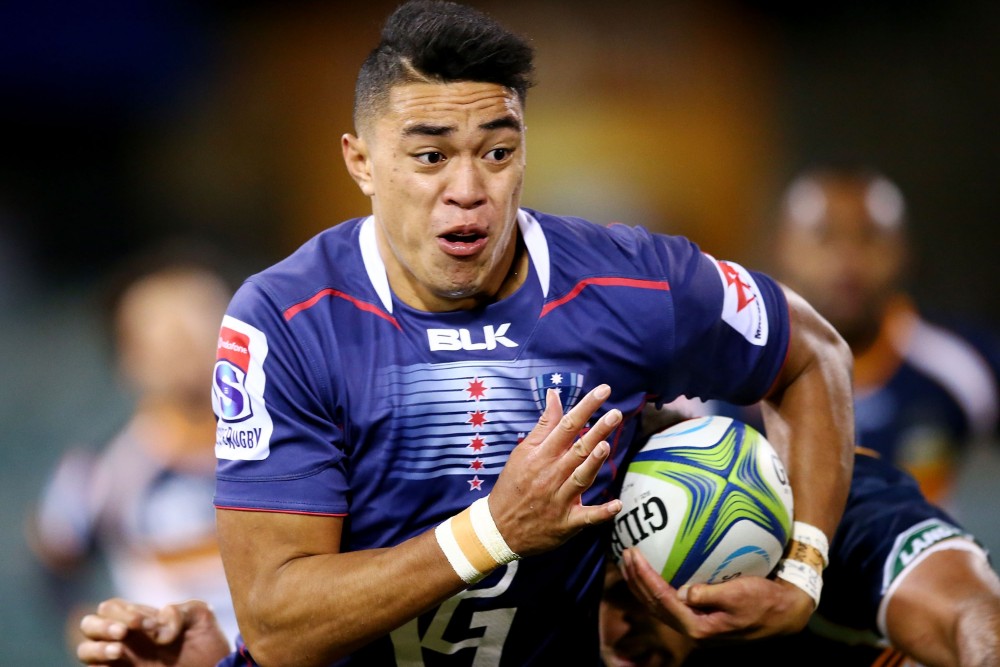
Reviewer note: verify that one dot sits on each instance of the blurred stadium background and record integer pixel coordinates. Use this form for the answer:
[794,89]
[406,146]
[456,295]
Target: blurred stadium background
[125,123]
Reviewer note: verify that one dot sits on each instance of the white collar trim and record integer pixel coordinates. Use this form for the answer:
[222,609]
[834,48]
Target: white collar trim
[531,232]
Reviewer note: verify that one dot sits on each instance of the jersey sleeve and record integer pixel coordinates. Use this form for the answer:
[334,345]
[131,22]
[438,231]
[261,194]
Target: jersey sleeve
[731,327]
[277,443]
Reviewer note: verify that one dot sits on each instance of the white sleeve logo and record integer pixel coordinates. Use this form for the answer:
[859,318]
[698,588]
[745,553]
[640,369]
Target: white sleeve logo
[743,306]
[244,428]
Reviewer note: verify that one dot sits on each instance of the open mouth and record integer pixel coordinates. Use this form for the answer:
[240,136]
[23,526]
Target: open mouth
[462,238]
[462,243]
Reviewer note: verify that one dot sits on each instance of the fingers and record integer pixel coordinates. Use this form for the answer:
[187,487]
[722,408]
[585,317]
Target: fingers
[604,427]
[176,618]
[170,622]
[108,631]
[98,653]
[659,596]
[589,453]
[133,616]
[559,430]
[550,418]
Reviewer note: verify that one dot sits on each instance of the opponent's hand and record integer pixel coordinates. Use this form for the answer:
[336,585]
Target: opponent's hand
[536,502]
[124,634]
[741,608]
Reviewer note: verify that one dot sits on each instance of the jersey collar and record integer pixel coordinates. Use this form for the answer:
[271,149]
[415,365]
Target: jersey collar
[531,232]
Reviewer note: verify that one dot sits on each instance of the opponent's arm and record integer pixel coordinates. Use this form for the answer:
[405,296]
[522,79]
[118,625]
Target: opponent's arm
[947,611]
[301,601]
[126,634]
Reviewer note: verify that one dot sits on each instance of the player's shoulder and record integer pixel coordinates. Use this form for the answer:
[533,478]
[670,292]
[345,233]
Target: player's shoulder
[618,245]
[330,260]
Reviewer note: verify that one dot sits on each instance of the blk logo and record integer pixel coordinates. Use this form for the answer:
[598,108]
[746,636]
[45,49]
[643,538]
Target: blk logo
[450,340]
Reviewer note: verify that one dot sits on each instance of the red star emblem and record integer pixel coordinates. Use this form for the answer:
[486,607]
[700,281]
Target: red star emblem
[475,484]
[476,464]
[477,419]
[477,443]
[476,389]
[733,278]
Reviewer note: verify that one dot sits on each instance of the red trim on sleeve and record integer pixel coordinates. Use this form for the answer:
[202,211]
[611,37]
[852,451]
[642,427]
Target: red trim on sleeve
[273,511]
[605,282]
[292,311]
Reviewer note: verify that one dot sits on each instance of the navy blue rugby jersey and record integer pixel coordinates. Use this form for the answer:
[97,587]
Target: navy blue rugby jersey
[887,528]
[335,398]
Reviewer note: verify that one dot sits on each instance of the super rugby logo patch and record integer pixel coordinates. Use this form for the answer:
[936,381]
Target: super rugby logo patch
[231,400]
[244,427]
[743,306]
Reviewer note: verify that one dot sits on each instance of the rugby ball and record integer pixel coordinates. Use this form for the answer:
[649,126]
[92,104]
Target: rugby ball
[705,501]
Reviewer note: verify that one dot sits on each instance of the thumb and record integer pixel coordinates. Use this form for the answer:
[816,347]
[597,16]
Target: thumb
[698,595]
[171,621]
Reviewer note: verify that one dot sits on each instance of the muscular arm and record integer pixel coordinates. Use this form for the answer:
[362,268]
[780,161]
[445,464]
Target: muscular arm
[301,601]
[809,417]
[298,598]
[947,611]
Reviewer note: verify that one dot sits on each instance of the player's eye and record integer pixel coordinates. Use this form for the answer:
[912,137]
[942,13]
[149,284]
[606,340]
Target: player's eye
[430,158]
[499,154]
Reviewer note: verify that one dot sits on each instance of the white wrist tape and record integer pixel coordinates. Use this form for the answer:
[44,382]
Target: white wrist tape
[810,535]
[802,575]
[472,543]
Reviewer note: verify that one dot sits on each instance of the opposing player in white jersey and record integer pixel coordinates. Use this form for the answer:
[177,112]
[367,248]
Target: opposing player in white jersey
[422,411]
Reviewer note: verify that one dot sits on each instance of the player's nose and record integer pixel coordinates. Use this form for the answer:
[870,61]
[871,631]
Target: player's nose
[466,185]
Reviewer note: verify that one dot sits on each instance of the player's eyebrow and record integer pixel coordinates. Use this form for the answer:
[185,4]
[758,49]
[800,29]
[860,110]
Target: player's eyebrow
[431,130]
[428,130]
[502,122]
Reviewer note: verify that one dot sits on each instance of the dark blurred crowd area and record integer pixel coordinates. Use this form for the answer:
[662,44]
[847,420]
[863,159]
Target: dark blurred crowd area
[127,121]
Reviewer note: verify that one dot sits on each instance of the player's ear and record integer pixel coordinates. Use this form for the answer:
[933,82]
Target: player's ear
[358,162]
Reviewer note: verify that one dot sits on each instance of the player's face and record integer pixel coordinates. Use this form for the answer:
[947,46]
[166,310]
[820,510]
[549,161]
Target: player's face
[845,262]
[630,636]
[445,166]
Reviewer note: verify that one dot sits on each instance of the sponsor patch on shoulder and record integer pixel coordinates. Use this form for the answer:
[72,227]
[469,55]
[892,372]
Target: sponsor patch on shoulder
[743,307]
[913,542]
[244,427]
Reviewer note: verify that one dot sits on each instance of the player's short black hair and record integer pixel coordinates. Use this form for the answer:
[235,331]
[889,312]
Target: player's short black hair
[442,42]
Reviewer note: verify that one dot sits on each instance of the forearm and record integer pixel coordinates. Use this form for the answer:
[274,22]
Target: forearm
[301,601]
[977,635]
[315,608]
[810,419]
[946,610]
[819,451]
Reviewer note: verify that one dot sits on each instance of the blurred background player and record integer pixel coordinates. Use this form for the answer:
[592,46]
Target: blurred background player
[923,394]
[143,503]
